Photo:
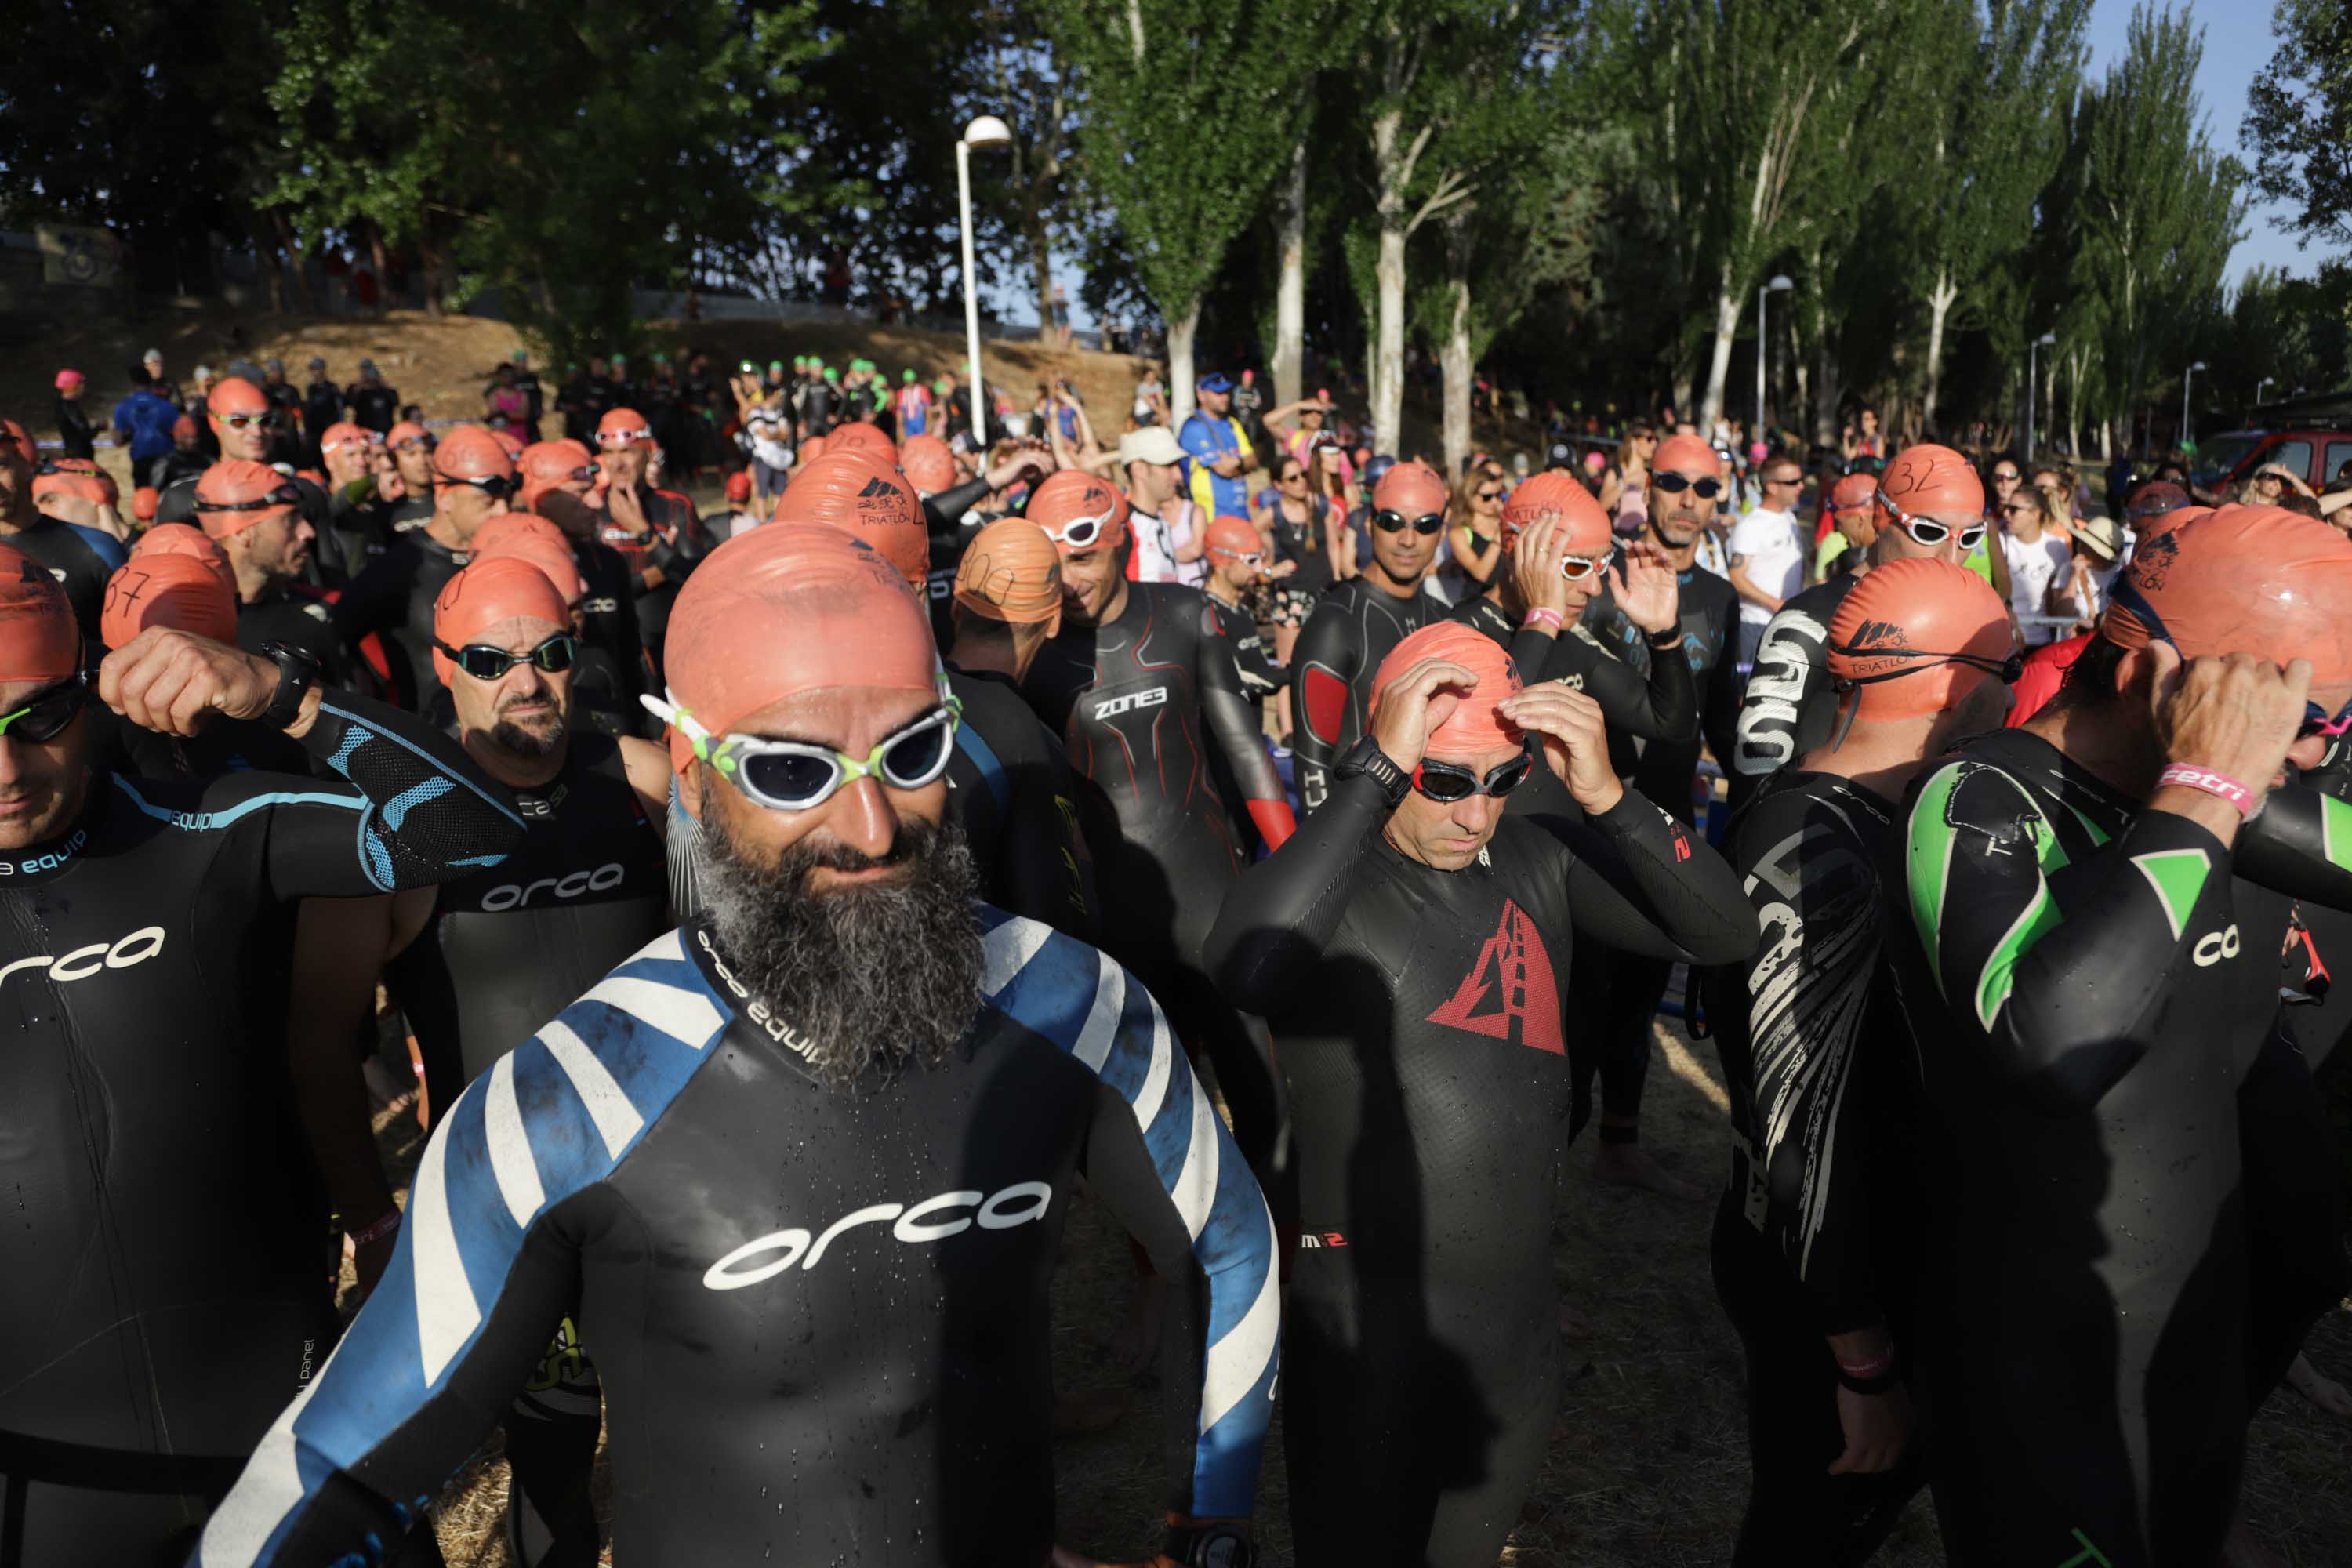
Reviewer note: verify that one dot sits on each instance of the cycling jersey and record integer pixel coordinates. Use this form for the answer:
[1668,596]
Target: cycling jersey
[1788,707]
[821,1314]
[1422,1017]
[1354,625]
[1206,439]
[164,1291]
[82,560]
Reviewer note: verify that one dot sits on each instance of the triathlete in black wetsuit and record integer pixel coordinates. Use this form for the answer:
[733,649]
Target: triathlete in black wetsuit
[657,533]
[1815,1237]
[79,557]
[473,480]
[798,1169]
[1142,688]
[1933,509]
[556,477]
[1412,955]
[240,416]
[2090,970]
[1358,621]
[161,1287]
[1236,552]
[254,513]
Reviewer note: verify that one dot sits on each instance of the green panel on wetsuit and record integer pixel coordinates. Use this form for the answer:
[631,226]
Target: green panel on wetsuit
[1930,853]
[2178,876]
[2336,830]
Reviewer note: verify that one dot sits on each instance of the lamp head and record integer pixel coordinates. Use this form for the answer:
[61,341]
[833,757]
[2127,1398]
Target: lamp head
[987,130]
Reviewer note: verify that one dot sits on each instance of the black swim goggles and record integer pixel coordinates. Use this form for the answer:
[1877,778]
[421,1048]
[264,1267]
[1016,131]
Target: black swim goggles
[283,495]
[1396,522]
[484,662]
[1674,484]
[1449,781]
[799,775]
[44,716]
[2009,669]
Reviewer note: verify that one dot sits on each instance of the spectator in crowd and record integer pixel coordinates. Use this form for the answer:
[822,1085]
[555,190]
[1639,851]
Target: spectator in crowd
[1625,483]
[505,405]
[2096,558]
[144,422]
[1249,409]
[1220,452]
[2039,566]
[374,405]
[1150,399]
[1863,439]
[534,395]
[322,407]
[150,366]
[1767,554]
[76,438]
[1474,536]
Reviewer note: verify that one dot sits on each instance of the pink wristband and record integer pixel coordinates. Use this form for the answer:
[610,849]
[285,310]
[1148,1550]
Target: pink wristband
[378,1231]
[1541,616]
[2189,777]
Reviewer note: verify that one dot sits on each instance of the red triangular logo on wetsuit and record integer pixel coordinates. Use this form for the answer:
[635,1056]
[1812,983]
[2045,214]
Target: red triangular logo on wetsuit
[1509,993]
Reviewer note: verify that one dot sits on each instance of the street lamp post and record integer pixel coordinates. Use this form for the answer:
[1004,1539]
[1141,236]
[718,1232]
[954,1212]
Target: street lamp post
[2187,377]
[2258,389]
[985,131]
[2033,357]
[1779,285]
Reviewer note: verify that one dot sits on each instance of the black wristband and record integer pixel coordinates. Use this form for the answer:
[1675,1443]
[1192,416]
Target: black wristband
[298,672]
[1883,1383]
[1365,758]
[1671,638]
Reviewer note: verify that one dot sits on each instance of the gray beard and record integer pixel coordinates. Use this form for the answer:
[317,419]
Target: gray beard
[865,976]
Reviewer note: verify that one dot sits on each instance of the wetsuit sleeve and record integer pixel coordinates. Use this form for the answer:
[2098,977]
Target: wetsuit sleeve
[2035,986]
[1276,920]
[1662,706]
[1233,718]
[1807,993]
[416,810]
[1640,882]
[2299,844]
[1322,667]
[944,511]
[1789,668]
[1261,676]
[1158,1154]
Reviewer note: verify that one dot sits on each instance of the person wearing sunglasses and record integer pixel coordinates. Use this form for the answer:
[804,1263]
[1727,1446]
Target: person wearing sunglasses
[2126,1165]
[2033,547]
[146,962]
[847,1095]
[1356,623]
[1412,948]
[80,555]
[1929,505]
[1809,1249]
[1767,552]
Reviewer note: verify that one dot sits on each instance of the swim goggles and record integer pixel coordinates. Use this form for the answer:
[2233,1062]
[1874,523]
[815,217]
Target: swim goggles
[484,662]
[1450,782]
[796,775]
[1926,532]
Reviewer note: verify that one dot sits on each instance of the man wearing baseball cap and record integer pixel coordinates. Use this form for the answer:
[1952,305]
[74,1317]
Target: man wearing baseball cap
[1219,451]
[473,480]
[78,554]
[1170,531]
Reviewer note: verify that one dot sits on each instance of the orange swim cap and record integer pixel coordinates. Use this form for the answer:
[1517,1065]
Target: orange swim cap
[1463,723]
[1078,511]
[38,639]
[233,395]
[1929,479]
[1011,572]
[862,493]
[232,497]
[781,611]
[544,465]
[184,539]
[930,465]
[160,589]
[407,430]
[810,450]
[1685,453]
[143,502]
[1916,637]
[2242,579]
[64,482]
[1233,538]
[552,557]
[341,434]
[470,452]
[501,588]
[862,435]
[623,428]
[1555,495]
[1853,493]
[1411,489]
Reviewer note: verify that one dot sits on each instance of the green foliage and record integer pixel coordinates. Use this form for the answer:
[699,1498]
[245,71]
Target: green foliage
[2299,119]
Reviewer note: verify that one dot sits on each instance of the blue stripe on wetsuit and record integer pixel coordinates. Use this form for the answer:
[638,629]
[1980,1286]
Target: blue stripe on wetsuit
[992,771]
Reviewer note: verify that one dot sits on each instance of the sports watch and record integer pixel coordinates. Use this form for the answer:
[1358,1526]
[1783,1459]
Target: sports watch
[1213,1545]
[297,672]
[1365,757]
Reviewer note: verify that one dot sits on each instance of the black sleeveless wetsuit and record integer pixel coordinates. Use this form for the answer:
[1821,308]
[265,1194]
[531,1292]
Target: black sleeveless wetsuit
[1423,1016]
[164,1280]
[821,1314]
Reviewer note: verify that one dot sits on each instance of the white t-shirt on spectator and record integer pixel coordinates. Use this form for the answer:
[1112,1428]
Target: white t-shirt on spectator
[1776,558]
[1155,548]
[2033,568]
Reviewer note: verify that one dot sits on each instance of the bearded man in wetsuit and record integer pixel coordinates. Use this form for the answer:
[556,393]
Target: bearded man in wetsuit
[1928,506]
[2123,1241]
[161,1286]
[1685,484]
[79,556]
[473,480]
[556,477]
[1355,623]
[1409,946]
[798,1170]
[1141,685]
[1815,1243]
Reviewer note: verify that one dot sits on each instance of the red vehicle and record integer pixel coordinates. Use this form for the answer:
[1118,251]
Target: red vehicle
[2311,436]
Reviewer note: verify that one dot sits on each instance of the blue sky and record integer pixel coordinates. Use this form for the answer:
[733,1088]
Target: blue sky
[2237,46]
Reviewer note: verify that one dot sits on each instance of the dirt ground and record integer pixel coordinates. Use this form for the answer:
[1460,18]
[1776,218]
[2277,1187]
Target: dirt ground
[1648,1462]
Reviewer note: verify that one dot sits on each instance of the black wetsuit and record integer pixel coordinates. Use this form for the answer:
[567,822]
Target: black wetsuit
[2116,1260]
[1814,1233]
[677,543]
[80,559]
[301,616]
[1788,707]
[821,1313]
[1423,1016]
[164,1289]
[75,436]
[393,597]
[373,406]
[1352,628]
[1261,676]
[1141,700]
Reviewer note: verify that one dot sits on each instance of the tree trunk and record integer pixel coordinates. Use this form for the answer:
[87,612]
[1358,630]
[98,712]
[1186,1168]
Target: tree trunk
[382,273]
[429,257]
[1455,362]
[1388,362]
[1180,331]
[1290,290]
[1719,368]
[1041,257]
[1939,305]
[297,263]
[272,268]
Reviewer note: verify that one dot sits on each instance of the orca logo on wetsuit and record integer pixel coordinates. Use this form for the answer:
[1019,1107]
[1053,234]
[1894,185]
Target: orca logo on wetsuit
[514,896]
[136,947]
[2214,946]
[1116,705]
[1001,1210]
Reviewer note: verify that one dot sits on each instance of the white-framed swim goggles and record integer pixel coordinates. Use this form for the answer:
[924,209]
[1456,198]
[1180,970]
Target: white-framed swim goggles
[795,775]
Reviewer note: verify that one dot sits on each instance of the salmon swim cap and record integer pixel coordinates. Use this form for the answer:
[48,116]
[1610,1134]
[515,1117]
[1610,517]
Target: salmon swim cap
[862,493]
[782,611]
[1078,511]
[1012,572]
[1411,489]
[406,431]
[551,556]
[502,588]
[812,450]
[341,434]
[1915,636]
[1233,538]
[61,480]
[2241,579]
[623,428]
[1558,496]
[862,435]
[1687,454]
[470,452]
[544,465]
[232,497]
[233,395]
[2155,499]
[1855,493]
[930,465]
[1462,724]
[162,589]
[143,502]
[1925,480]
[186,539]
[38,639]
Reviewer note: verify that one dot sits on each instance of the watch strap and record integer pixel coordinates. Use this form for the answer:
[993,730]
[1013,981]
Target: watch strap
[298,672]
[1365,758]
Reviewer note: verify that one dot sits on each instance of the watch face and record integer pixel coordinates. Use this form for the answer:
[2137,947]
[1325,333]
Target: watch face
[1222,1550]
